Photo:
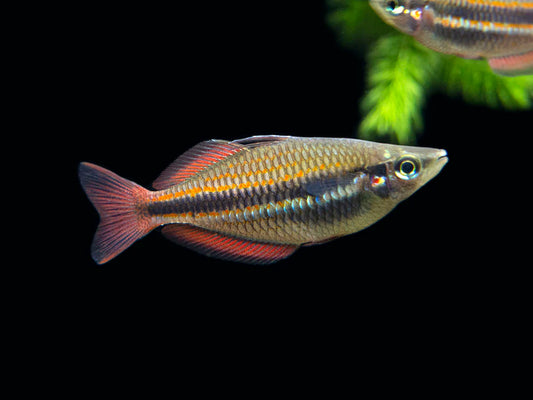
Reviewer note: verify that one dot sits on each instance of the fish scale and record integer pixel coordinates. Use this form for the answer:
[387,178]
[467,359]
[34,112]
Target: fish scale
[257,200]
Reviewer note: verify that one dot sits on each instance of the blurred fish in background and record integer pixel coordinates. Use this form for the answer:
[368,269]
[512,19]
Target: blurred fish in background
[498,30]
[402,72]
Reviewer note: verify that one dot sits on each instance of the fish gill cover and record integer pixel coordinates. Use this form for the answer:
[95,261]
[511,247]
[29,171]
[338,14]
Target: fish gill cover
[402,73]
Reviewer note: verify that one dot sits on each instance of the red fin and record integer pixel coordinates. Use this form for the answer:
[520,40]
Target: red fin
[226,247]
[194,160]
[521,64]
[116,200]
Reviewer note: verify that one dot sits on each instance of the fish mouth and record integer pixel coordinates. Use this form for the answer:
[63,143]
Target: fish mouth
[441,161]
[443,155]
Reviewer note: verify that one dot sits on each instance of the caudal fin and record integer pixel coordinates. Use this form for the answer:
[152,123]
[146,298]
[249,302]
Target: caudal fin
[117,201]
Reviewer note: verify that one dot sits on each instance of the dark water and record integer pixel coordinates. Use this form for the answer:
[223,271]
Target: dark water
[143,84]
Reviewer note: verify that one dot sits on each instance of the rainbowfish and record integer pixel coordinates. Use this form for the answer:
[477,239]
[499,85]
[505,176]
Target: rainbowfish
[500,31]
[257,200]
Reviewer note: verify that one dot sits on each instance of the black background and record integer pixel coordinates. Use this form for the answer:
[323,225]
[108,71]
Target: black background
[140,84]
[435,292]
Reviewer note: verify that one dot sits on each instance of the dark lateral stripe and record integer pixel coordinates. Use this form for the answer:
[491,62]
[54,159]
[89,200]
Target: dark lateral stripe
[229,200]
[289,200]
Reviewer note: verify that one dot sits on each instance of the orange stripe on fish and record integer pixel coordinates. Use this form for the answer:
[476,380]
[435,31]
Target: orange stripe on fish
[485,26]
[502,4]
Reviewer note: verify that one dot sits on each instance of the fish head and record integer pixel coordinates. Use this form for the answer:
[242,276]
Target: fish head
[404,15]
[396,172]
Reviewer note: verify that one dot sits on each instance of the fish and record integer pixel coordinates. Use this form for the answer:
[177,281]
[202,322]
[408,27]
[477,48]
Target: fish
[257,200]
[500,31]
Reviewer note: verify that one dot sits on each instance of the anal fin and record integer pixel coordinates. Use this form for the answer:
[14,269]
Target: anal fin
[521,64]
[225,247]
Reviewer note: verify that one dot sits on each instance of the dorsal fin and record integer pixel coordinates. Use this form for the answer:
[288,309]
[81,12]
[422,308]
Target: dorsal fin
[206,153]
[194,160]
[229,248]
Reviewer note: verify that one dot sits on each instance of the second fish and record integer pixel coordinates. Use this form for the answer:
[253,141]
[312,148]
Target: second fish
[499,30]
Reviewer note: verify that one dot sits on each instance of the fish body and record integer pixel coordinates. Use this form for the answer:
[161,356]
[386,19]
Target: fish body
[257,200]
[500,31]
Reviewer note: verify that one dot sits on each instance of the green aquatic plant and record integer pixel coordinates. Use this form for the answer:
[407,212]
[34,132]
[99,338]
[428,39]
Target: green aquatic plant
[401,73]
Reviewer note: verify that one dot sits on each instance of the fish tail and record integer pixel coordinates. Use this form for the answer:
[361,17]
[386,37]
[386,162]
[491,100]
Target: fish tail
[119,204]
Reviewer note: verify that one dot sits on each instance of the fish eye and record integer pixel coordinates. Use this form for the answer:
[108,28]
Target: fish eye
[407,168]
[391,5]
[394,7]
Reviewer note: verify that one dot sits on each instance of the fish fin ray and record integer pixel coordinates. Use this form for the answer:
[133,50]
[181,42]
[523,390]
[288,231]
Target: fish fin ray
[226,247]
[195,160]
[521,64]
[116,200]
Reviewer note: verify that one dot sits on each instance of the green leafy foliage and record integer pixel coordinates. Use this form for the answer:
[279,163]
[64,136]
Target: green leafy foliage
[476,83]
[397,90]
[401,74]
[355,22]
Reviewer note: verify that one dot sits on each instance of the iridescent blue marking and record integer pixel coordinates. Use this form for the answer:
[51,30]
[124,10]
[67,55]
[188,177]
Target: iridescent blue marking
[271,210]
[295,204]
